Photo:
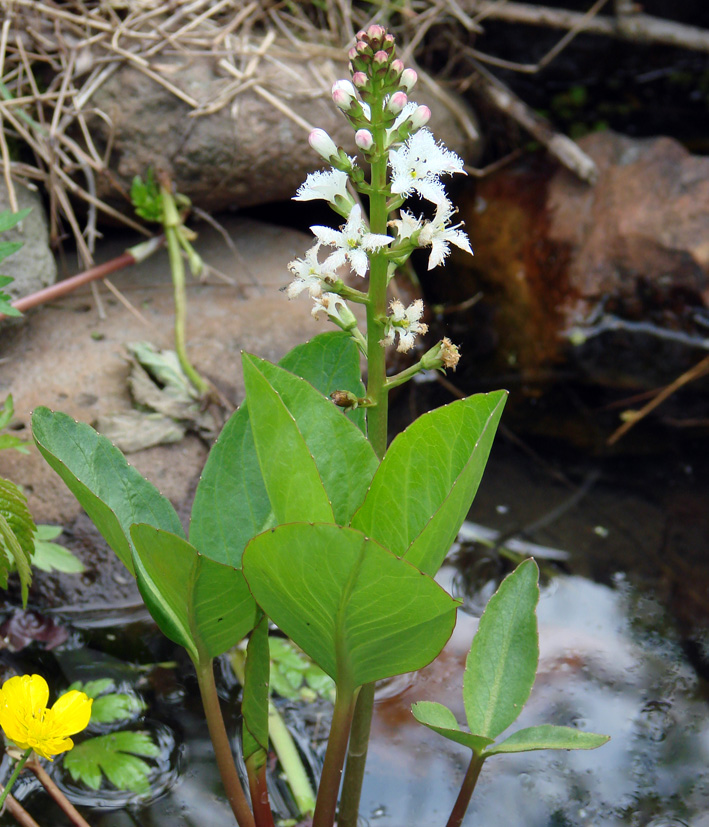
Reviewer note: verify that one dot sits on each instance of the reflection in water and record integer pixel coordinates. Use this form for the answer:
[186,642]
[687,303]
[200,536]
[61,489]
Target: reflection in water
[599,670]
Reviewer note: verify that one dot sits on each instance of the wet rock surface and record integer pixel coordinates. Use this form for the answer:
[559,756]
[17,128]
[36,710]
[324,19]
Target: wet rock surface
[612,278]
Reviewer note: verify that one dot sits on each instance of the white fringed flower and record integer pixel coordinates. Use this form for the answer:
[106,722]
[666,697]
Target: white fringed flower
[406,226]
[439,234]
[405,323]
[309,274]
[325,184]
[351,242]
[336,308]
[417,166]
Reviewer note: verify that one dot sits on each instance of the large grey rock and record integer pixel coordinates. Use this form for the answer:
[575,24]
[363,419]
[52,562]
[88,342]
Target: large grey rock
[248,152]
[32,267]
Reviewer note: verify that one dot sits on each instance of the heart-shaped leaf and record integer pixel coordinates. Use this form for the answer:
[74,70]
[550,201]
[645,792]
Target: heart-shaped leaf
[231,504]
[344,459]
[112,492]
[202,605]
[361,613]
[548,737]
[502,663]
[440,719]
[428,478]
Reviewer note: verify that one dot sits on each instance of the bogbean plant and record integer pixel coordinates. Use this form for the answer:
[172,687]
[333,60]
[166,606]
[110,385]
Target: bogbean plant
[302,517]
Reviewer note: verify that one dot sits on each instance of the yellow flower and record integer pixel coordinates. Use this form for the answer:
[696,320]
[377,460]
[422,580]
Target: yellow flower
[28,723]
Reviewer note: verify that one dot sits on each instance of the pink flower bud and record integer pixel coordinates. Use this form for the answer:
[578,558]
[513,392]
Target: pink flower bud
[397,66]
[360,80]
[388,42]
[361,34]
[420,117]
[376,32]
[343,94]
[322,143]
[408,79]
[362,47]
[353,53]
[381,58]
[397,102]
[364,139]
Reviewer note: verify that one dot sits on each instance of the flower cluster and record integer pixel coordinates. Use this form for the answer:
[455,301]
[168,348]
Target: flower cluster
[29,724]
[390,131]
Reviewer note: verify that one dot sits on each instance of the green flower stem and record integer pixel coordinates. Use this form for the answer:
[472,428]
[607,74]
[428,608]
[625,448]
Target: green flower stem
[171,224]
[377,423]
[466,791]
[72,813]
[326,806]
[220,741]
[18,769]
[256,769]
[290,760]
[404,376]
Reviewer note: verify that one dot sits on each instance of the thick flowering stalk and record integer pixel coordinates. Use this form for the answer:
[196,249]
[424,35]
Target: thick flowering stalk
[405,160]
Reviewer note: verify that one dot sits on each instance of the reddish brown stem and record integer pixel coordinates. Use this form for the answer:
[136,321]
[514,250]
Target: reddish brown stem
[73,814]
[18,812]
[61,288]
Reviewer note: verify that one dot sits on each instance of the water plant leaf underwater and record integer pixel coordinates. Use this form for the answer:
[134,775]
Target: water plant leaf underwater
[29,724]
[116,756]
[110,706]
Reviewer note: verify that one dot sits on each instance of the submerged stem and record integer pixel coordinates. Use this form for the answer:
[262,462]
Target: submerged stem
[256,769]
[466,791]
[72,813]
[222,747]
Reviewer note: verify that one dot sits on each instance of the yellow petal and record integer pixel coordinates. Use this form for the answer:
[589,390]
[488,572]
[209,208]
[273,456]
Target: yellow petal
[26,694]
[70,714]
[53,746]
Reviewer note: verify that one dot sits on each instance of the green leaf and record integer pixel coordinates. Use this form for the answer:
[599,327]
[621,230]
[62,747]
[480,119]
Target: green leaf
[93,688]
[117,706]
[502,663]
[6,308]
[7,248]
[548,737]
[17,530]
[428,478]
[9,219]
[113,493]
[292,480]
[361,613]
[116,755]
[440,719]
[344,459]
[7,412]
[231,504]
[330,362]
[50,556]
[11,441]
[202,605]
[254,706]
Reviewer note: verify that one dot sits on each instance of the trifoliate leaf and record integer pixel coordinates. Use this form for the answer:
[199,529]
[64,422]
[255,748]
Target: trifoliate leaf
[50,556]
[92,688]
[116,756]
[146,197]
[17,530]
